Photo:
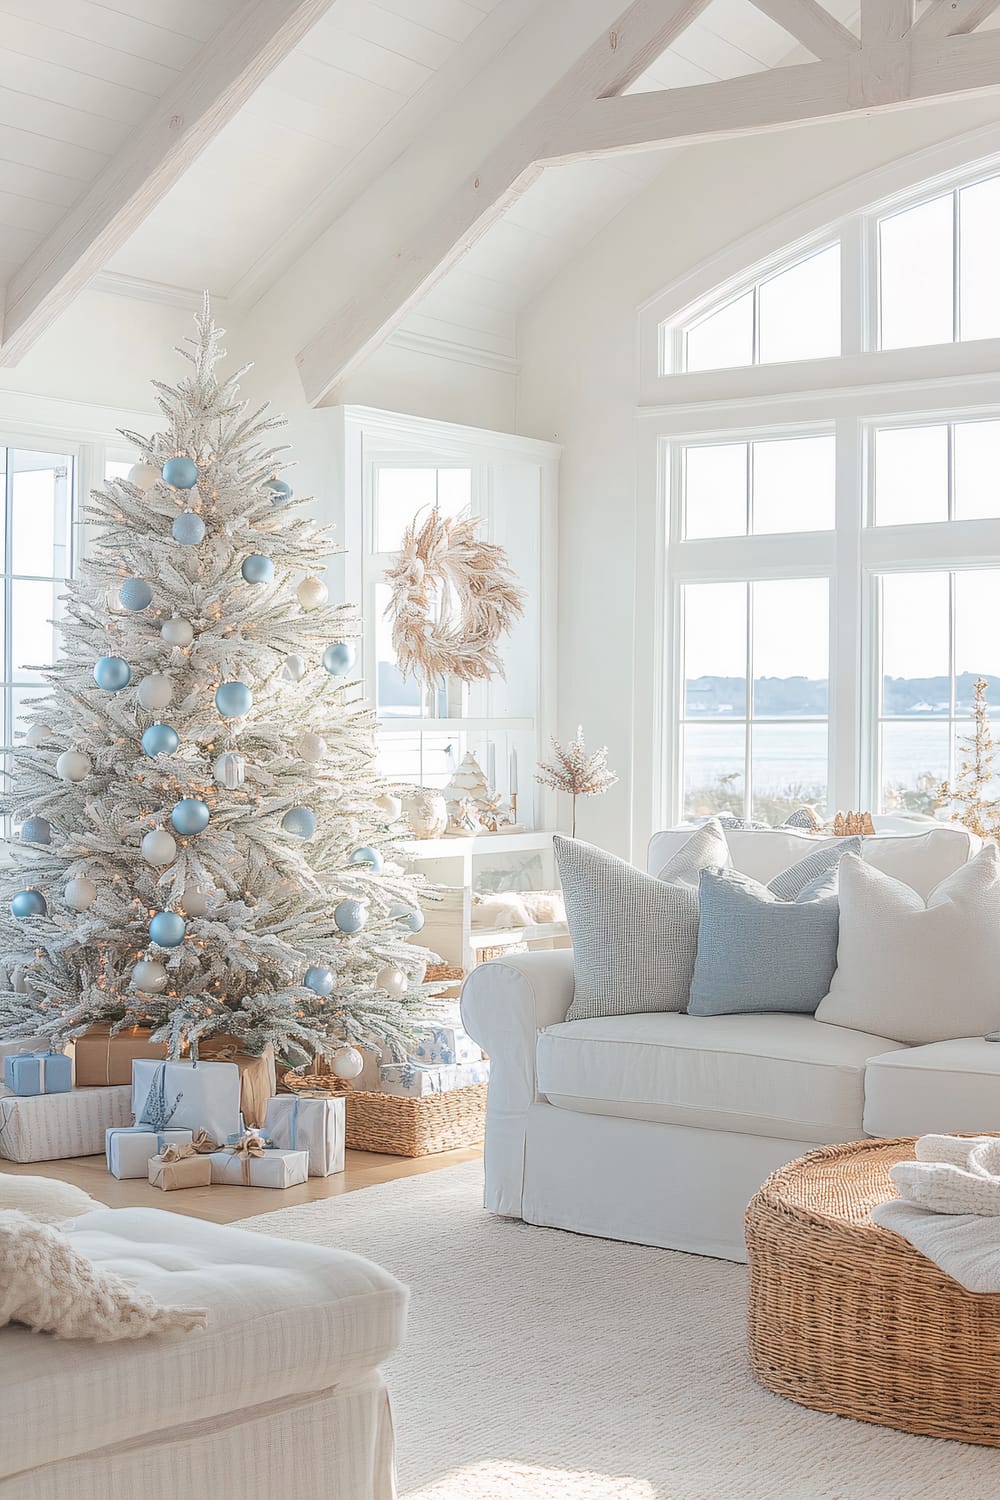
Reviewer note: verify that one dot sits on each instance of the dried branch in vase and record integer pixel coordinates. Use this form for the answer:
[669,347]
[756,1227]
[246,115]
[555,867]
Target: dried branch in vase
[977,756]
[575,772]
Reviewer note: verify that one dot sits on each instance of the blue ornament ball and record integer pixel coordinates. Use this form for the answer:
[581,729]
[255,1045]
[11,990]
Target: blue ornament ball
[258,569]
[167,929]
[188,529]
[190,815]
[112,674]
[281,491]
[301,821]
[29,904]
[160,739]
[413,917]
[339,658]
[367,856]
[349,915]
[415,920]
[233,700]
[36,831]
[180,472]
[135,594]
[320,980]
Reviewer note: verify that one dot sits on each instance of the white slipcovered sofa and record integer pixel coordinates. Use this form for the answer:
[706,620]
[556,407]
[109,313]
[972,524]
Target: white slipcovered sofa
[280,1394]
[659,1127]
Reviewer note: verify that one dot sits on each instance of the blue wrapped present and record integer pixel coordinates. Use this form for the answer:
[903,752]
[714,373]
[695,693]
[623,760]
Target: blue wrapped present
[410,1081]
[38,1073]
[439,1045]
[130,1148]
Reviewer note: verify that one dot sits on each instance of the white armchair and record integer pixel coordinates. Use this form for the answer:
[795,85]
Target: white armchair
[505,1004]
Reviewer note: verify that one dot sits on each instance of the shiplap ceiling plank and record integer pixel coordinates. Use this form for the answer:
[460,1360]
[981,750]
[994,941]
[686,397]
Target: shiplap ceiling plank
[24,38]
[367,20]
[451,18]
[641,33]
[953,17]
[45,155]
[209,92]
[812,25]
[350,53]
[98,23]
[36,186]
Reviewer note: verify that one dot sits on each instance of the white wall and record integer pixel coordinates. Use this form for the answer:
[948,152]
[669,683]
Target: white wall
[579,384]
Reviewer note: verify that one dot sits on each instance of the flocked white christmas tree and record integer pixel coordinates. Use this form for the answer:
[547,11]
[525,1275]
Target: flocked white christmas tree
[205,846]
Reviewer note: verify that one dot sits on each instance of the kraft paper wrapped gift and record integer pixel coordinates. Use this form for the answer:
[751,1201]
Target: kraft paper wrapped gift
[103,1059]
[170,1170]
[187,1096]
[412,1082]
[43,1072]
[316,1126]
[442,1044]
[251,1164]
[129,1149]
[258,1080]
[45,1127]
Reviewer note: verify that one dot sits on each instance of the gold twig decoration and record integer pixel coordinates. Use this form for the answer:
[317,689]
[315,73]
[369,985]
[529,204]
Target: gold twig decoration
[453,597]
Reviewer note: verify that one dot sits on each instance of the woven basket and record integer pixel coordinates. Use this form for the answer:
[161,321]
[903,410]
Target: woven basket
[416,1127]
[846,1317]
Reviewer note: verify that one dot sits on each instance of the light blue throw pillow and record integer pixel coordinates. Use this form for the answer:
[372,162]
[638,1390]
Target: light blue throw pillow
[758,953]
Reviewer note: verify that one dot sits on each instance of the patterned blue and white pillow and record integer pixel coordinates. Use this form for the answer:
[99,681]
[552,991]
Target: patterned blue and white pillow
[816,867]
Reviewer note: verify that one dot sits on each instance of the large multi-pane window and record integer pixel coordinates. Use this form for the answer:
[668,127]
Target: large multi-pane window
[37,559]
[831,584]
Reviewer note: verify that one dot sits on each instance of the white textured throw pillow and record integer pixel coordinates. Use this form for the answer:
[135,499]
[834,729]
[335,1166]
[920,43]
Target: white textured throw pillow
[634,935]
[912,971]
[46,1199]
[49,1286]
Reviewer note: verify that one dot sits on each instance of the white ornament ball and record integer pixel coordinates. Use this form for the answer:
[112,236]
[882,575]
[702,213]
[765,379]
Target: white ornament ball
[37,735]
[348,1063]
[158,847]
[149,977]
[177,632]
[80,893]
[143,476]
[393,981]
[391,807]
[194,901]
[156,691]
[312,592]
[73,765]
[294,668]
[310,747]
[230,770]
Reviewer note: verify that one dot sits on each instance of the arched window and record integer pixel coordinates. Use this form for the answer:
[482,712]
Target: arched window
[825,444]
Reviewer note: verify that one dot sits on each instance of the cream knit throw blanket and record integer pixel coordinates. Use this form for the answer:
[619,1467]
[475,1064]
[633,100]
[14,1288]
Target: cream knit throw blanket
[949,1207]
[52,1288]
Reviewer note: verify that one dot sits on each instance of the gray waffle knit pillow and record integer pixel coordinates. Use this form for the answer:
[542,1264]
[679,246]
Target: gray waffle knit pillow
[821,863]
[634,935]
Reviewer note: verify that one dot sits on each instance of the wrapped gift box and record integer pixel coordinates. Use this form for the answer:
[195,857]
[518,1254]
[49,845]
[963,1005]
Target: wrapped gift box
[189,1171]
[258,1081]
[316,1126]
[187,1096]
[103,1059]
[273,1169]
[443,1044]
[43,1072]
[129,1149]
[25,1044]
[409,1081]
[44,1127]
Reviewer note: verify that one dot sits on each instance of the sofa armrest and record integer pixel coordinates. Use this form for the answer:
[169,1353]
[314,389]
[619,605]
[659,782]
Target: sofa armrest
[505,1003]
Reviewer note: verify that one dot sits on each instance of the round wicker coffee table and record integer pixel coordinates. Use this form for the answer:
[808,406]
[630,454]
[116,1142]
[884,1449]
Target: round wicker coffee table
[846,1317]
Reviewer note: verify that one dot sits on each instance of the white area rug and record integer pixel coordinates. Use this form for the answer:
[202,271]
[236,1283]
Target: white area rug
[548,1366]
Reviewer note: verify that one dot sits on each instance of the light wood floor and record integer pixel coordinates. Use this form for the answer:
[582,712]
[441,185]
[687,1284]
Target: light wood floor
[223,1204]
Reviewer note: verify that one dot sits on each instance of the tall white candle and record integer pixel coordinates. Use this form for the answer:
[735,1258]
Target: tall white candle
[513,771]
[491,766]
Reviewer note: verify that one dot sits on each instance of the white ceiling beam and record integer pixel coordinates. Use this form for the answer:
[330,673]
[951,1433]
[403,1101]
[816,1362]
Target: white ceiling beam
[630,45]
[812,25]
[953,17]
[931,68]
[209,91]
[885,21]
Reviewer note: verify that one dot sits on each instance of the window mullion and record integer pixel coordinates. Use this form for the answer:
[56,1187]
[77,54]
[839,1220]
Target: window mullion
[748,731]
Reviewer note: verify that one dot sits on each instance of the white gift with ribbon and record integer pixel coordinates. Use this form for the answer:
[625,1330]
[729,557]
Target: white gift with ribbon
[316,1126]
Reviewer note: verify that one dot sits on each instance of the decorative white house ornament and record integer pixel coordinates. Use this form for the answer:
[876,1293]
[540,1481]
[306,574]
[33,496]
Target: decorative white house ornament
[230,770]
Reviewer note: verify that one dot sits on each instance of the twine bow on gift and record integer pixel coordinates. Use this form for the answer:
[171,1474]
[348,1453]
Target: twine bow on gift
[246,1148]
[200,1144]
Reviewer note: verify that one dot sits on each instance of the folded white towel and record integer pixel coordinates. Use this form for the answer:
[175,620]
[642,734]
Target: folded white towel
[965,1246]
[952,1175]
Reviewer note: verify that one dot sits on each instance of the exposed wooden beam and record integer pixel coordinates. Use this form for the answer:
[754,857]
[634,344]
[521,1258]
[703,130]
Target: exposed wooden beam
[932,68]
[885,21]
[218,82]
[953,17]
[635,40]
[812,24]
